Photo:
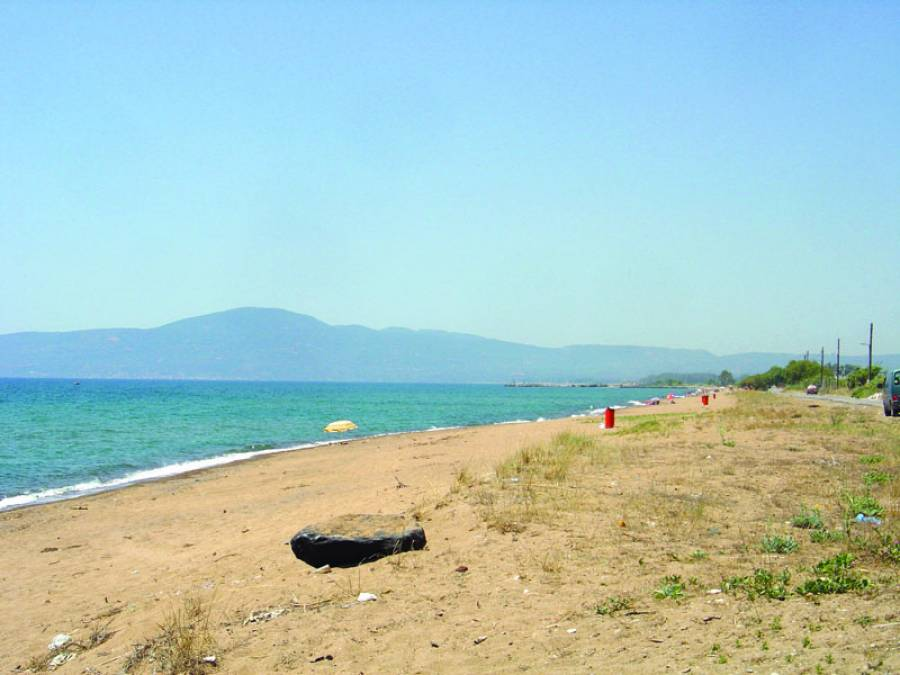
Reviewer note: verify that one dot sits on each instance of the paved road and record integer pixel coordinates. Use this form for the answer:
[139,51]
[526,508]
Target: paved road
[846,400]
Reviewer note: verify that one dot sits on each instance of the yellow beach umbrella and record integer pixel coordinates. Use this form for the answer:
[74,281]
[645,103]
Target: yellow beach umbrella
[339,426]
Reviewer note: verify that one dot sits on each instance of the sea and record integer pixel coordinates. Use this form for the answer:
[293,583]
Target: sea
[65,438]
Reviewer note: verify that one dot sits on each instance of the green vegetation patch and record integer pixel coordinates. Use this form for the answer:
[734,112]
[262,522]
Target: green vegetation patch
[825,536]
[651,425]
[833,575]
[614,604]
[864,504]
[778,544]
[671,588]
[762,583]
[877,478]
[717,651]
[808,519]
[871,459]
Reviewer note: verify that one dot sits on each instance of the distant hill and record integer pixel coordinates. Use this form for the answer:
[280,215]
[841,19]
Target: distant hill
[274,344]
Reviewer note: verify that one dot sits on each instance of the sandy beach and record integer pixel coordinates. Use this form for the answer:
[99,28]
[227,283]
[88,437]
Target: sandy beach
[127,559]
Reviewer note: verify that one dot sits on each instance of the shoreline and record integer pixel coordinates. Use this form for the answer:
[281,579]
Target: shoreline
[186,468]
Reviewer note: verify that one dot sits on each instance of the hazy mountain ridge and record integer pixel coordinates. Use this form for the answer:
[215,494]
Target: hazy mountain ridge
[274,344]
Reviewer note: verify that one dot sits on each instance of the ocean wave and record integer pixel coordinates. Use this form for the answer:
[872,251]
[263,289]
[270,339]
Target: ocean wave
[142,476]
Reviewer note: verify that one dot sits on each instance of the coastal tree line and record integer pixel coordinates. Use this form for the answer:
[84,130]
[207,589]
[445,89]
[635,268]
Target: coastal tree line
[803,372]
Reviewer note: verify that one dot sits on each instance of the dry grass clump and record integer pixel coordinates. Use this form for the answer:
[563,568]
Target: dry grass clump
[550,461]
[184,644]
[762,411]
[670,511]
[462,480]
[39,663]
[663,423]
[533,485]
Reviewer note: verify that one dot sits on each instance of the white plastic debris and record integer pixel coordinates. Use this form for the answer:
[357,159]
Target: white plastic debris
[60,659]
[324,569]
[59,642]
[263,616]
[572,631]
[212,660]
[366,597]
[714,591]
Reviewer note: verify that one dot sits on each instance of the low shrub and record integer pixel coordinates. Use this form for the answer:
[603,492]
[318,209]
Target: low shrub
[672,588]
[808,519]
[614,604]
[762,583]
[833,575]
[777,544]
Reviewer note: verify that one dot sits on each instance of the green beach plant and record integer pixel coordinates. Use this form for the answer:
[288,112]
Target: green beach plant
[671,588]
[877,478]
[825,536]
[865,504]
[614,604]
[808,519]
[833,575]
[778,544]
[762,583]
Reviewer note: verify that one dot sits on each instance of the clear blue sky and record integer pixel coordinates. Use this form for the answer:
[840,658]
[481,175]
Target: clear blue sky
[719,175]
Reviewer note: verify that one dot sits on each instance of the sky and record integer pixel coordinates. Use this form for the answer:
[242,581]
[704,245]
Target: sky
[707,175]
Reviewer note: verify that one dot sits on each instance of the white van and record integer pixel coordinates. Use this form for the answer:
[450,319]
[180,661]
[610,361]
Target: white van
[890,395]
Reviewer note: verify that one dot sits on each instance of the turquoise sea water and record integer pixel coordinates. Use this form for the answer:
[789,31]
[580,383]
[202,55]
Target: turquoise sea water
[59,439]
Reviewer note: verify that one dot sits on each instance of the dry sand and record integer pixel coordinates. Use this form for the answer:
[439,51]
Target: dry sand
[647,500]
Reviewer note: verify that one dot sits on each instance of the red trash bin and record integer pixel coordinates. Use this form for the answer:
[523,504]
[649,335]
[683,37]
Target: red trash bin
[609,418]
[705,399]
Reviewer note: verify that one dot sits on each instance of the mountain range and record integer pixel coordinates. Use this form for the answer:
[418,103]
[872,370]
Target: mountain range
[272,344]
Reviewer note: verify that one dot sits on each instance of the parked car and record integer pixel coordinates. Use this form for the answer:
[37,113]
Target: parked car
[890,394]
[812,389]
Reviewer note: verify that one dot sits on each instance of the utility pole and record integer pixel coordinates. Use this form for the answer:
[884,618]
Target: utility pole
[871,329]
[822,369]
[806,356]
[837,368]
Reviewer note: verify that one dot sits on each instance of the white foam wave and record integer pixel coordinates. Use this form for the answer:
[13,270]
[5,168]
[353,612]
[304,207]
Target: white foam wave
[94,486]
